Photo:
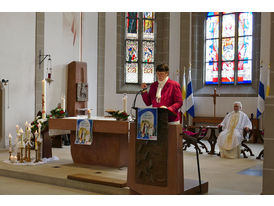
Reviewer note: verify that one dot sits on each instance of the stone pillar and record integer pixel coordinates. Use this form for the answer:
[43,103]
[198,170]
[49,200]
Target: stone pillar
[39,69]
[268,167]
[101,63]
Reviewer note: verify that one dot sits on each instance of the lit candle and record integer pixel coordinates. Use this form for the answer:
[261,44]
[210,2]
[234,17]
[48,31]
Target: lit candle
[35,135]
[10,145]
[125,102]
[17,128]
[26,130]
[43,99]
[21,135]
[29,131]
[63,103]
[89,113]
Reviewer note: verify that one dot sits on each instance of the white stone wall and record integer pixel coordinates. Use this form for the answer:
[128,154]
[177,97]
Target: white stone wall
[59,43]
[17,64]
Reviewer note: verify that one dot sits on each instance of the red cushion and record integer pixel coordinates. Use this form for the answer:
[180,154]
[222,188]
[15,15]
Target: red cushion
[188,132]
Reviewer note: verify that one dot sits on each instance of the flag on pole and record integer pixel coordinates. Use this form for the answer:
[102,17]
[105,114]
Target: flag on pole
[184,94]
[268,81]
[264,86]
[189,96]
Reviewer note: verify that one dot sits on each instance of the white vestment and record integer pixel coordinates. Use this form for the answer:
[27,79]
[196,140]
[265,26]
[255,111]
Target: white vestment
[232,135]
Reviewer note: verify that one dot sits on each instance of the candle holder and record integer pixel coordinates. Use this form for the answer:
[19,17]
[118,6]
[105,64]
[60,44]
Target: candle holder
[36,156]
[39,151]
[26,151]
[10,155]
[18,156]
[21,157]
[28,158]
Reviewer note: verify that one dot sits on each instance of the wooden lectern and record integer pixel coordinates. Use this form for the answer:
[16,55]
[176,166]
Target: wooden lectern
[156,167]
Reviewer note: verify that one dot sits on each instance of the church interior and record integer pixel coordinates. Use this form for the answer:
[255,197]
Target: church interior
[79,61]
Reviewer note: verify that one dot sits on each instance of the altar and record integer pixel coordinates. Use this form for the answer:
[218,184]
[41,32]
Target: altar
[109,146]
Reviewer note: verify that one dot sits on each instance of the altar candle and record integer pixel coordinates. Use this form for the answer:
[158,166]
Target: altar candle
[10,145]
[21,135]
[43,99]
[63,103]
[125,102]
[28,133]
[26,129]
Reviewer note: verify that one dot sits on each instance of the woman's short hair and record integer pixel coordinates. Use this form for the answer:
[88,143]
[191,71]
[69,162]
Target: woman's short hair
[162,68]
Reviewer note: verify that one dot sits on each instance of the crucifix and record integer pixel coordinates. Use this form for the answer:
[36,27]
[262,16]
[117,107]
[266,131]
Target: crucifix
[214,95]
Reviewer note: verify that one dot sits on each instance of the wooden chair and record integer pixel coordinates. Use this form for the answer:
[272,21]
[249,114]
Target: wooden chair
[188,137]
[261,154]
[245,147]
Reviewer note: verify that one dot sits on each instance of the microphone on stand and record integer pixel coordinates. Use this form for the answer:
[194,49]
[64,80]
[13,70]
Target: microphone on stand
[139,92]
[135,98]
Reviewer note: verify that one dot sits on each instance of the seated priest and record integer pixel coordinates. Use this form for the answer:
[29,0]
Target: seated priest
[233,125]
[164,93]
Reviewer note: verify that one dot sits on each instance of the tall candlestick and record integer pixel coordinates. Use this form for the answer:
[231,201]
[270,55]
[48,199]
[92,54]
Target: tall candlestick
[35,135]
[43,99]
[39,130]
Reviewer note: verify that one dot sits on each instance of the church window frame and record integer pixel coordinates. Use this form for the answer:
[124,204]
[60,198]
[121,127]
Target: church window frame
[242,66]
[140,48]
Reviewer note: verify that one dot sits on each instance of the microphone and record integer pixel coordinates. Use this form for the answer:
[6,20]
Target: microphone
[139,92]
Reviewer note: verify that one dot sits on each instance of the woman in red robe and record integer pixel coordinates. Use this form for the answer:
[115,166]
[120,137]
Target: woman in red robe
[164,93]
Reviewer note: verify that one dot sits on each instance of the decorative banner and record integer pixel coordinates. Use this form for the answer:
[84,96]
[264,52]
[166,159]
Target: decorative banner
[147,125]
[84,131]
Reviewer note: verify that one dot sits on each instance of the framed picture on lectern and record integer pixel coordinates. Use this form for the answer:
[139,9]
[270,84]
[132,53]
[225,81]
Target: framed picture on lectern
[147,123]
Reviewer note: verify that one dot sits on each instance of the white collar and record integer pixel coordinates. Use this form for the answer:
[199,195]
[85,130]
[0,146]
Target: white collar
[162,83]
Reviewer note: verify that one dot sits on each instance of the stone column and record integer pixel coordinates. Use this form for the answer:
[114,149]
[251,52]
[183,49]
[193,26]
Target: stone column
[268,166]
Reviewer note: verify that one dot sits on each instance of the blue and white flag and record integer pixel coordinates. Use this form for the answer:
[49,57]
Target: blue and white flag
[263,89]
[189,96]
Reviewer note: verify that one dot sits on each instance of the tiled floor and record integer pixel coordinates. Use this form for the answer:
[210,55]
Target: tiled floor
[223,175]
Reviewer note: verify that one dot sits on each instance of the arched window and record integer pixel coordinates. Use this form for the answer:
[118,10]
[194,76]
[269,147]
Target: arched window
[228,48]
[139,47]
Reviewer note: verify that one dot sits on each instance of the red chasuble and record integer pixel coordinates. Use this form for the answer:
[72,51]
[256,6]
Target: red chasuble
[171,97]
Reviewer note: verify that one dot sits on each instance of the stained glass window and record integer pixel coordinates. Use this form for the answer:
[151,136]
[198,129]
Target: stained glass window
[132,73]
[228,27]
[132,25]
[148,73]
[228,72]
[228,49]
[142,46]
[132,51]
[232,41]
[212,27]
[148,52]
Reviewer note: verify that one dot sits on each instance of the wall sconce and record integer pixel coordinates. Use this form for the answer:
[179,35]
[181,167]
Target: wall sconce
[5,82]
[49,66]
